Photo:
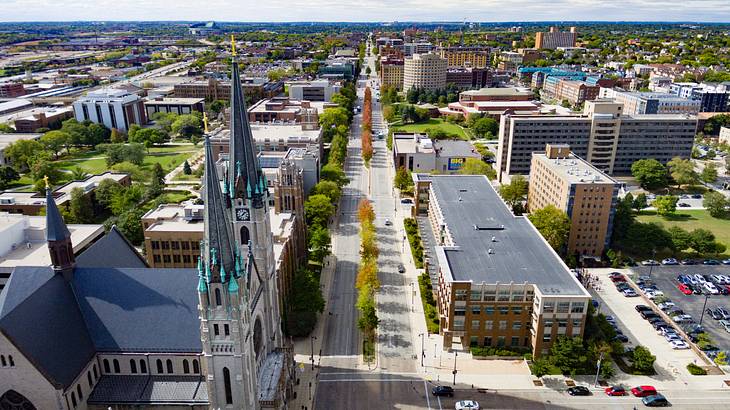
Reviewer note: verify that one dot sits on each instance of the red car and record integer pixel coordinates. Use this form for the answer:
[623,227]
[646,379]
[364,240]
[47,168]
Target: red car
[616,391]
[684,289]
[643,391]
[616,277]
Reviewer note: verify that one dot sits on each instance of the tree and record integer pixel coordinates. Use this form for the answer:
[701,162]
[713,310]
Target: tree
[187,125]
[666,204]
[126,198]
[305,302]
[186,168]
[645,237]
[553,224]
[41,168]
[328,189]
[330,119]
[78,174]
[132,131]
[541,367]
[317,210]
[623,217]
[319,243]
[640,202]
[715,203]
[682,171]
[475,166]
[54,141]
[721,358]
[128,224]
[116,153]
[6,129]
[643,360]
[569,354]
[149,137]
[402,180]
[332,172]
[650,173]
[80,207]
[709,173]
[21,152]
[158,174]
[703,241]
[484,127]
[681,239]
[96,134]
[7,175]
[105,191]
[117,137]
[77,132]
[365,211]
[515,193]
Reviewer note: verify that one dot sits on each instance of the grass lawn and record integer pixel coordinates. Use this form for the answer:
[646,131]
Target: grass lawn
[690,220]
[451,129]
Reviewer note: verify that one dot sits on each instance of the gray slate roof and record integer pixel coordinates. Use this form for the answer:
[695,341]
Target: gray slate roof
[519,252]
[56,229]
[149,390]
[112,250]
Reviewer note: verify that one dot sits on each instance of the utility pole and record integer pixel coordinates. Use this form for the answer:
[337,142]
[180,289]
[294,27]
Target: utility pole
[598,370]
[704,306]
[456,354]
[423,351]
[312,344]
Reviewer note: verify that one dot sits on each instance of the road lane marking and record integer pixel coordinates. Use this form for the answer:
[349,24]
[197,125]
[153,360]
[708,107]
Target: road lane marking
[428,399]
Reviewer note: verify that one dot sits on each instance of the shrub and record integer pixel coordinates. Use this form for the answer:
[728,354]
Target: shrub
[695,370]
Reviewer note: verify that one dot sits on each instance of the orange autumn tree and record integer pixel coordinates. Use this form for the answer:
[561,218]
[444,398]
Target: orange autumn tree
[367,118]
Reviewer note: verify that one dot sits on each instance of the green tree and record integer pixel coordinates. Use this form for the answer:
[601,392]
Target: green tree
[709,173]
[331,119]
[105,191]
[541,367]
[186,168]
[553,224]
[643,360]
[317,210]
[187,126]
[640,202]
[149,137]
[80,207]
[332,172]
[7,176]
[682,171]
[42,167]
[132,131]
[650,173]
[681,239]
[21,153]
[117,137]
[77,132]
[666,204]
[128,224]
[623,217]
[126,199]
[402,180]
[569,355]
[158,174]
[96,134]
[715,203]
[6,129]
[78,174]
[305,302]
[319,243]
[484,127]
[54,141]
[721,358]
[328,189]
[515,193]
[475,166]
[703,241]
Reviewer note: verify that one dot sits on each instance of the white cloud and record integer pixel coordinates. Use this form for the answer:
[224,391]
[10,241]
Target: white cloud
[365,10]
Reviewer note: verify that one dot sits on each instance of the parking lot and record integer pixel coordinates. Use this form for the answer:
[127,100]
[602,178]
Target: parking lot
[665,278]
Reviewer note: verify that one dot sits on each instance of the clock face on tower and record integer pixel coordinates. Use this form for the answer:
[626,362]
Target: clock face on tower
[242,214]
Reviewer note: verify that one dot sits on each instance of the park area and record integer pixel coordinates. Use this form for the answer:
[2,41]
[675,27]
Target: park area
[94,162]
[432,124]
[690,220]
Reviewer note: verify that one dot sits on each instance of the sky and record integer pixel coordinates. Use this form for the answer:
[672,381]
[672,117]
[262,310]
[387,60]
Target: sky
[366,10]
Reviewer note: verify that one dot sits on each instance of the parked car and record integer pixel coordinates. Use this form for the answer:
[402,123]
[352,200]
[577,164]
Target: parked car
[615,391]
[650,262]
[696,196]
[684,289]
[724,312]
[688,262]
[714,313]
[682,318]
[666,305]
[655,401]
[621,338]
[579,391]
[659,325]
[401,268]
[683,205]
[407,201]
[710,288]
[388,222]
[443,391]
[710,262]
[467,405]
[616,277]
[642,308]
[725,325]
[629,293]
[669,261]
[678,344]
[643,391]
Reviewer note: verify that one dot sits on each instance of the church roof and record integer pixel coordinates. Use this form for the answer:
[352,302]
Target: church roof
[112,250]
[169,390]
[56,229]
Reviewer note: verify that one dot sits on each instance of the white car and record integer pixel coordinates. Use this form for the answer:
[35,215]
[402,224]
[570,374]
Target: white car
[678,344]
[709,287]
[700,279]
[666,305]
[726,325]
[682,318]
[650,262]
[467,405]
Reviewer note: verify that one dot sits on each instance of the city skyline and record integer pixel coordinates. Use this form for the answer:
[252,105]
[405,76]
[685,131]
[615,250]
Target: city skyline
[374,11]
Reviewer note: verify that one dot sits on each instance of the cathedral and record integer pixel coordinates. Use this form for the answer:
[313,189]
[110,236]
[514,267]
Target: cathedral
[102,329]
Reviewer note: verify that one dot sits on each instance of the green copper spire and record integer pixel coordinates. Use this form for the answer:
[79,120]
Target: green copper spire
[233,285]
[202,287]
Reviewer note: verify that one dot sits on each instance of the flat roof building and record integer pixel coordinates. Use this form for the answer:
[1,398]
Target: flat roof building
[174,105]
[112,107]
[318,90]
[418,153]
[637,103]
[583,192]
[466,56]
[554,38]
[499,282]
[7,139]
[391,73]
[46,117]
[424,71]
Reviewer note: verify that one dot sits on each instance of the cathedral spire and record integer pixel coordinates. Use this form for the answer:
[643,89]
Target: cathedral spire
[219,256]
[58,237]
[244,171]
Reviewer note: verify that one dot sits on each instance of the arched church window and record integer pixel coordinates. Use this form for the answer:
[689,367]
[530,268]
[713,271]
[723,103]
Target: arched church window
[196,366]
[257,336]
[227,385]
[217,297]
[116,366]
[73,399]
[169,366]
[10,361]
[2,360]
[14,400]
[159,366]
[245,236]
[133,366]
[78,390]
[106,366]
[88,378]
[142,366]
[186,366]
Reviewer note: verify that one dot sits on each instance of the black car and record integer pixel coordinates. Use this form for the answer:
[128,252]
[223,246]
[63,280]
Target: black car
[711,262]
[579,391]
[688,262]
[714,313]
[649,315]
[642,308]
[401,268]
[659,324]
[443,391]
[696,196]
[621,338]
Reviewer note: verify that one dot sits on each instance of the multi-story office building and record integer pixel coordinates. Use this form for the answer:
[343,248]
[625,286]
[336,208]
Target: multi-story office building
[43,118]
[391,73]
[499,282]
[469,77]
[602,135]
[11,90]
[651,103]
[172,235]
[587,195]
[464,56]
[554,38]
[576,92]
[174,105]
[212,89]
[287,110]
[713,98]
[425,71]
[319,90]
[410,49]
[275,137]
[493,102]
[114,108]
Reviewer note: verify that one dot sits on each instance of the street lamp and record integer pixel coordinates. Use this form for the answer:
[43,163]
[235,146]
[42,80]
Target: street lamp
[312,338]
[704,305]
[653,255]
[413,297]
[598,370]
[456,354]
[423,352]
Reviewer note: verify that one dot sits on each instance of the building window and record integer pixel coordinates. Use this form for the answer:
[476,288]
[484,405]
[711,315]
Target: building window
[227,385]
[563,307]
[96,375]
[185,245]
[488,324]
[165,245]
[562,323]
[515,341]
[474,325]
[196,367]
[88,378]
[226,330]
[459,311]
[175,245]
[165,258]
[460,294]
[474,341]
[549,307]
[169,366]
[475,295]
[106,366]
[116,366]
[142,366]
[500,341]
[546,337]
[503,295]
[503,310]
[217,297]
[186,366]
[487,341]
[73,399]
[516,325]
[156,258]
[159,367]
[133,366]
[475,310]
[216,330]
[548,323]
[502,325]
[516,310]
[186,259]
[2,361]
[488,310]
[155,244]
[176,258]
[577,307]
[80,393]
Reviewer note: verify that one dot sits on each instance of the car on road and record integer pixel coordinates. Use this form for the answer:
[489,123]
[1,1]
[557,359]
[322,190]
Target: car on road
[615,391]
[629,293]
[726,261]
[683,205]
[656,400]
[650,262]
[621,338]
[388,222]
[684,289]
[669,261]
[579,391]
[407,201]
[467,405]
[696,196]
[401,268]
[688,262]
[643,391]
[443,391]
[642,308]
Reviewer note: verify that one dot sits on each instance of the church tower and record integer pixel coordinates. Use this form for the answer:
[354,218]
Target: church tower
[249,201]
[58,238]
[225,317]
